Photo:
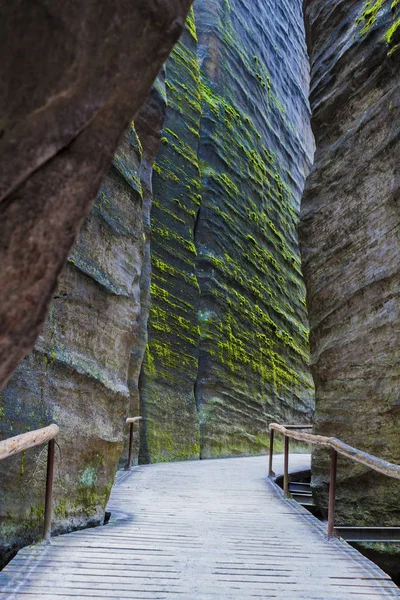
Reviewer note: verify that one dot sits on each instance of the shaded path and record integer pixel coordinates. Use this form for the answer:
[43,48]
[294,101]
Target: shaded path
[198,531]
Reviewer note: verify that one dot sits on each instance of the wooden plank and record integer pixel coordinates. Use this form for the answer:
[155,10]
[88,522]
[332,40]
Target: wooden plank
[369,534]
[212,530]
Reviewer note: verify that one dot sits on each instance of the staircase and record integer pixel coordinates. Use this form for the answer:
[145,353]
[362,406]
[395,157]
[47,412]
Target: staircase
[301,492]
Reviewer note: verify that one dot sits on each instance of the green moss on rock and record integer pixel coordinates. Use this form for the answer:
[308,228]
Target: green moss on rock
[238,352]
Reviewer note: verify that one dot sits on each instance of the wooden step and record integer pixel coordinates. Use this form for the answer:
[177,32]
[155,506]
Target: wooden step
[295,486]
[369,534]
[303,498]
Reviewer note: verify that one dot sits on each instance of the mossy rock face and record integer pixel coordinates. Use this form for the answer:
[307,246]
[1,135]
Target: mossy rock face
[171,428]
[228,334]
[148,124]
[216,299]
[350,244]
[77,376]
[255,151]
[171,433]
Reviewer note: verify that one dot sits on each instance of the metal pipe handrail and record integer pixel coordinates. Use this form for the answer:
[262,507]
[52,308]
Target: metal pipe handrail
[337,447]
[31,439]
[131,421]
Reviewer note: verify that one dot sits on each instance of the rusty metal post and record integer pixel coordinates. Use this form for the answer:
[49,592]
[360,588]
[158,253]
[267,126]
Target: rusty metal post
[286,468]
[128,466]
[332,494]
[271,452]
[48,507]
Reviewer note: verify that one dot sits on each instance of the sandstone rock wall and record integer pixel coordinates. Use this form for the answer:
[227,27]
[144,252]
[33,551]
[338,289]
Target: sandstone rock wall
[228,345]
[256,149]
[350,245]
[71,79]
[83,373]
[220,281]
[171,430]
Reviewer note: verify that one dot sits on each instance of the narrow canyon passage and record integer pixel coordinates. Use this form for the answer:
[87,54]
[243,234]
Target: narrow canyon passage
[208,530]
[239,266]
[182,299]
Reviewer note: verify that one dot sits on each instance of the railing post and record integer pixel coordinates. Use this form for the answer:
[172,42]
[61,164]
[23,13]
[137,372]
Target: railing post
[48,507]
[332,494]
[271,452]
[286,468]
[128,466]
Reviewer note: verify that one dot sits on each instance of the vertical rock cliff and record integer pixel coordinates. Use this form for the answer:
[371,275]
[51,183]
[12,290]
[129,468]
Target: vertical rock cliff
[256,149]
[83,374]
[171,430]
[206,288]
[228,345]
[350,246]
[148,124]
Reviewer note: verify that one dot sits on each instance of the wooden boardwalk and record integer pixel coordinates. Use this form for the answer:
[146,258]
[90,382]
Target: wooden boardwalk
[209,530]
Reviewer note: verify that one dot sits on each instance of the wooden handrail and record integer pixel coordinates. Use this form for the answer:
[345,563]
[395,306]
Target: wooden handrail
[28,440]
[298,426]
[354,454]
[31,439]
[272,428]
[336,447]
[131,421]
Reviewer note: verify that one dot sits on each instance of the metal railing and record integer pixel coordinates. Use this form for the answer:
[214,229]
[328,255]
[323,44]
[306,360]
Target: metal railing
[336,447]
[131,421]
[25,441]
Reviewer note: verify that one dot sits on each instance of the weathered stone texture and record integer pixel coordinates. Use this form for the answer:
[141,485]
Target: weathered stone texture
[148,123]
[256,149]
[77,376]
[228,343]
[72,77]
[236,148]
[171,362]
[84,371]
[350,246]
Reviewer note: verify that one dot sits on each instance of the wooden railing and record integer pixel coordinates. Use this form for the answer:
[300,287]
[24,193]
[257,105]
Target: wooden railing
[25,441]
[286,453]
[131,421]
[336,447]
